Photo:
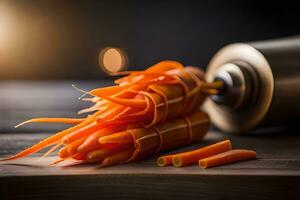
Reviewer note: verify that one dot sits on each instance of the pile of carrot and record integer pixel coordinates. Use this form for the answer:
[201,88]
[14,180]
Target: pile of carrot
[213,155]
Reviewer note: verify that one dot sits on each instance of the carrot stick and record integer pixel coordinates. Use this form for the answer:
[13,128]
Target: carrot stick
[190,157]
[121,137]
[84,131]
[136,103]
[118,157]
[72,148]
[227,157]
[79,156]
[101,154]
[63,152]
[164,160]
[53,120]
[46,142]
[92,141]
[50,151]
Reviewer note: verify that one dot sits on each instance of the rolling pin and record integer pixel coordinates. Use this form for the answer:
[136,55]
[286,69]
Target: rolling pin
[261,85]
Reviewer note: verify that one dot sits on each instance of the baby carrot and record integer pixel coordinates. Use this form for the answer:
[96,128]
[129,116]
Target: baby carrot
[84,131]
[72,148]
[227,158]
[63,152]
[118,157]
[164,160]
[100,154]
[121,137]
[92,141]
[194,156]
[97,155]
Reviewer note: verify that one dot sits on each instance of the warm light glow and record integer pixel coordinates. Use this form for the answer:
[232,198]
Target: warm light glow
[112,60]
[3,27]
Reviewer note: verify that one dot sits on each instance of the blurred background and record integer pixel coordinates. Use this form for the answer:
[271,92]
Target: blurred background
[47,45]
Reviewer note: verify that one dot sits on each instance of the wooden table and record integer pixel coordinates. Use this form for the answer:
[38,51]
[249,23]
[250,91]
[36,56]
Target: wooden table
[275,175]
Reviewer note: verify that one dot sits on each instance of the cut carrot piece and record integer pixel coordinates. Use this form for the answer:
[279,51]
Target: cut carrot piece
[117,158]
[164,160]
[121,137]
[190,157]
[227,158]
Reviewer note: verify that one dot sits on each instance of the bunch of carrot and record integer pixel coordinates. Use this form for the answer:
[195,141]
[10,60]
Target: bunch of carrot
[144,113]
[213,155]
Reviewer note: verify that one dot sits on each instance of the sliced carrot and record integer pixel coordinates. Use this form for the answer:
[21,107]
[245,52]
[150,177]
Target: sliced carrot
[100,154]
[50,151]
[227,157]
[121,137]
[117,158]
[165,66]
[53,120]
[63,152]
[107,91]
[84,131]
[46,142]
[72,148]
[164,160]
[135,103]
[92,141]
[79,156]
[190,157]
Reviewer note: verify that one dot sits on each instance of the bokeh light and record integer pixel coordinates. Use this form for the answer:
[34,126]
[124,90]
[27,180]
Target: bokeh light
[113,60]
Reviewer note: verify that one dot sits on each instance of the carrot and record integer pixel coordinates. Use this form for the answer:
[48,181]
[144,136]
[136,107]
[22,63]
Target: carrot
[120,137]
[136,103]
[72,148]
[228,157]
[190,157]
[46,142]
[118,157]
[84,131]
[100,154]
[63,152]
[53,120]
[92,141]
[79,156]
[164,160]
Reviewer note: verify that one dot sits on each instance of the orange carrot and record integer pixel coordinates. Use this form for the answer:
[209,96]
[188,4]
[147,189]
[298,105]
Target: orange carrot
[118,157]
[120,137]
[72,148]
[63,152]
[190,157]
[100,154]
[164,160]
[228,157]
[92,141]
[53,120]
[84,131]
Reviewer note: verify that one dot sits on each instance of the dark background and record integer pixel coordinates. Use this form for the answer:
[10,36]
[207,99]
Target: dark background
[62,39]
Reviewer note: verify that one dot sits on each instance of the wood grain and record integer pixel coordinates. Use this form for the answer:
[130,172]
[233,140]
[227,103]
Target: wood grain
[275,174]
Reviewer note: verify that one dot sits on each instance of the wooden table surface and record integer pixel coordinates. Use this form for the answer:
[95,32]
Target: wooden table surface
[275,174]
